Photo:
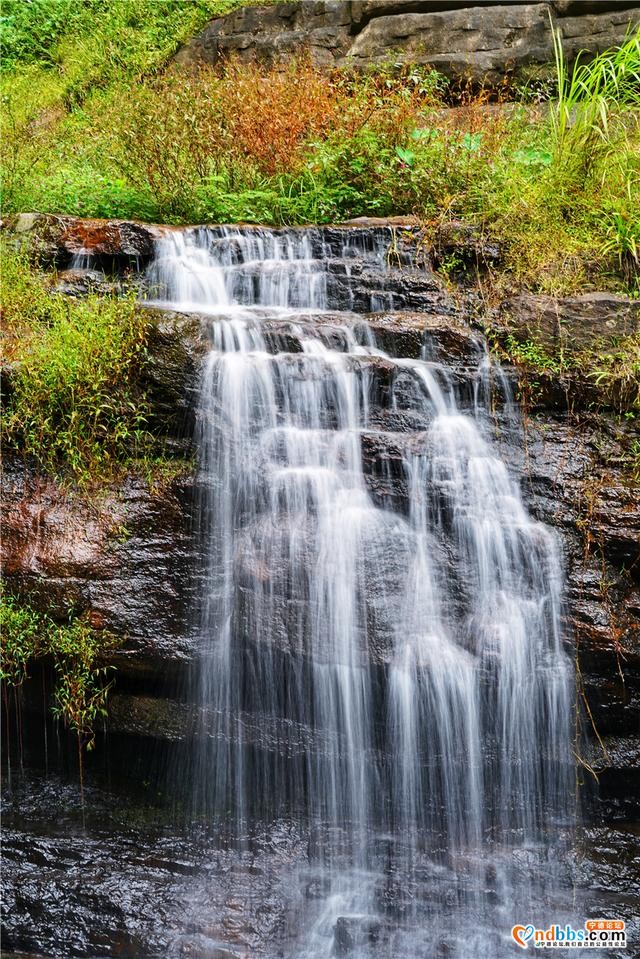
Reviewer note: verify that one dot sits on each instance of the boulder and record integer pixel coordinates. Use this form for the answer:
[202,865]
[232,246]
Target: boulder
[480,39]
[585,322]
[69,241]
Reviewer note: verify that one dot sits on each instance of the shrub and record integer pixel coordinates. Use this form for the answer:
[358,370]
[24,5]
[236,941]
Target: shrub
[82,684]
[74,400]
[271,115]
[22,639]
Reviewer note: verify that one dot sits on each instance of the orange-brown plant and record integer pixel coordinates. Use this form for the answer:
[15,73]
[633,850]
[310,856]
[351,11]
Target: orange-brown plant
[271,113]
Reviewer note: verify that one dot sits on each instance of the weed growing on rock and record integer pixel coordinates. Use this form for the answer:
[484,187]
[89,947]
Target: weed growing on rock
[82,683]
[617,375]
[72,368]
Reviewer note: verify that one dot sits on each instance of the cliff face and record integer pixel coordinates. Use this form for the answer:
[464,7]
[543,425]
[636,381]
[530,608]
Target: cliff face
[108,870]
[483,41]
[130,557]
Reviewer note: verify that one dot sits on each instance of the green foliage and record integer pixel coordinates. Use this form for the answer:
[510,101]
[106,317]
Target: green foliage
[587,96]
[22,638]
[95,39]
[532,157]
[623,240]
[30,28]
[64,63]
[82,685]
[532,354]
[74,397]
[115,129]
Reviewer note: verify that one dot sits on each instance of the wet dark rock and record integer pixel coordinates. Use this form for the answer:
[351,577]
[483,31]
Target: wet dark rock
[577,475]
[125,557]
[442,338]
[131,882]
[379,580]
[565,338]
[404,237]
[124,883]
[354,932]
[112,244]
[571,484]
[318,889]
[480,39]
[364,287]
[466,246]
[176,346]
[586,322]
[78,282]
[199,948]
[356,279]
[125,879]
[151,717]
[8,371]
[171,721]
[609,867]
[439,337]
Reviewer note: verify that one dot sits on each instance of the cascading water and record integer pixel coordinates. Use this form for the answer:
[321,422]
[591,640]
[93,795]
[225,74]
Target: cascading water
[387,674]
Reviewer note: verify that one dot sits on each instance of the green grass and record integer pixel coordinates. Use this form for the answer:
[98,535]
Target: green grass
[64,63]
[90,43]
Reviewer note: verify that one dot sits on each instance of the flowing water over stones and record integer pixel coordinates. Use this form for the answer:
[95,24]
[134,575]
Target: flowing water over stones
[382,660]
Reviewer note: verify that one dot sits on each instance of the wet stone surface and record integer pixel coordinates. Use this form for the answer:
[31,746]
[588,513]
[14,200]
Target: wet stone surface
[131,882]
[127,883]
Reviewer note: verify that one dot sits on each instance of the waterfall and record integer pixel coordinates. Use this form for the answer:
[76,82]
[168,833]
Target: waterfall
[387,673]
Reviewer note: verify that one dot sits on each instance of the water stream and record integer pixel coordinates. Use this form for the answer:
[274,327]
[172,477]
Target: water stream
[386,673]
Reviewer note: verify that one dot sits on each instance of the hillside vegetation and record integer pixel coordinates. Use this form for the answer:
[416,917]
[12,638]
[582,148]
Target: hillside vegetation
[100,122]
